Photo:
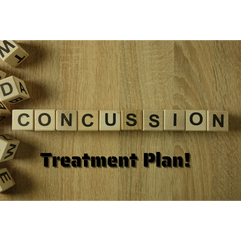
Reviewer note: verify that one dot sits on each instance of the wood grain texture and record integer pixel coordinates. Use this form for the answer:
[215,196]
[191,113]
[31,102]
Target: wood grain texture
[125,75]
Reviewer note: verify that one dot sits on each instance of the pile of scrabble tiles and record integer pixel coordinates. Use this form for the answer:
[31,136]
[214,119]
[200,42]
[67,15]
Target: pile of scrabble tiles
[13,90]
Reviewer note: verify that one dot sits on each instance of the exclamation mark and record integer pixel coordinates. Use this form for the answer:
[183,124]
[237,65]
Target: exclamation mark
[187,159]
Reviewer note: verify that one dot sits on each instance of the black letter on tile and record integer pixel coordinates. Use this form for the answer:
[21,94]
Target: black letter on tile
[106,119]
[40,121]
[200,121]
[83,120]
[156,121]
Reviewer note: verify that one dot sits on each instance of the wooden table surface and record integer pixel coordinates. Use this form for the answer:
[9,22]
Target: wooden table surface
[122,75]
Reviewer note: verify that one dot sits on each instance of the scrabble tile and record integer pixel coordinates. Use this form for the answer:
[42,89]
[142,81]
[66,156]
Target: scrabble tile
[196,120]
[44,120]
[8,147]
[2,74]
[22,120]
[174,120]
[217,120]
[4,112]
[88,120]
[66,120]
[6,180]
[131,120]
[153,120]
[12,53]
[109,120]
[13,90]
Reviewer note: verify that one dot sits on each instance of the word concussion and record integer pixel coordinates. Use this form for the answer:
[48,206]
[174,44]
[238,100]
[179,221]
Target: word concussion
[114,120]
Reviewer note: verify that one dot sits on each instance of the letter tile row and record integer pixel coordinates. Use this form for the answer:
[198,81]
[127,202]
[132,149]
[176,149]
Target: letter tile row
[115,120]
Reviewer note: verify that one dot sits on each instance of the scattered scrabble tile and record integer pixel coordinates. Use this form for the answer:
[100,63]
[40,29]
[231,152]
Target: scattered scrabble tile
[88,120]
[131,120]
[6,180]
[44,120]
[109,120]
[153,120]
[196,120]
[8,147]
[66,120]
[22,120]
[217,120]
[2,74]
[174,120]
[12,53]
[13,90]
[4,112]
